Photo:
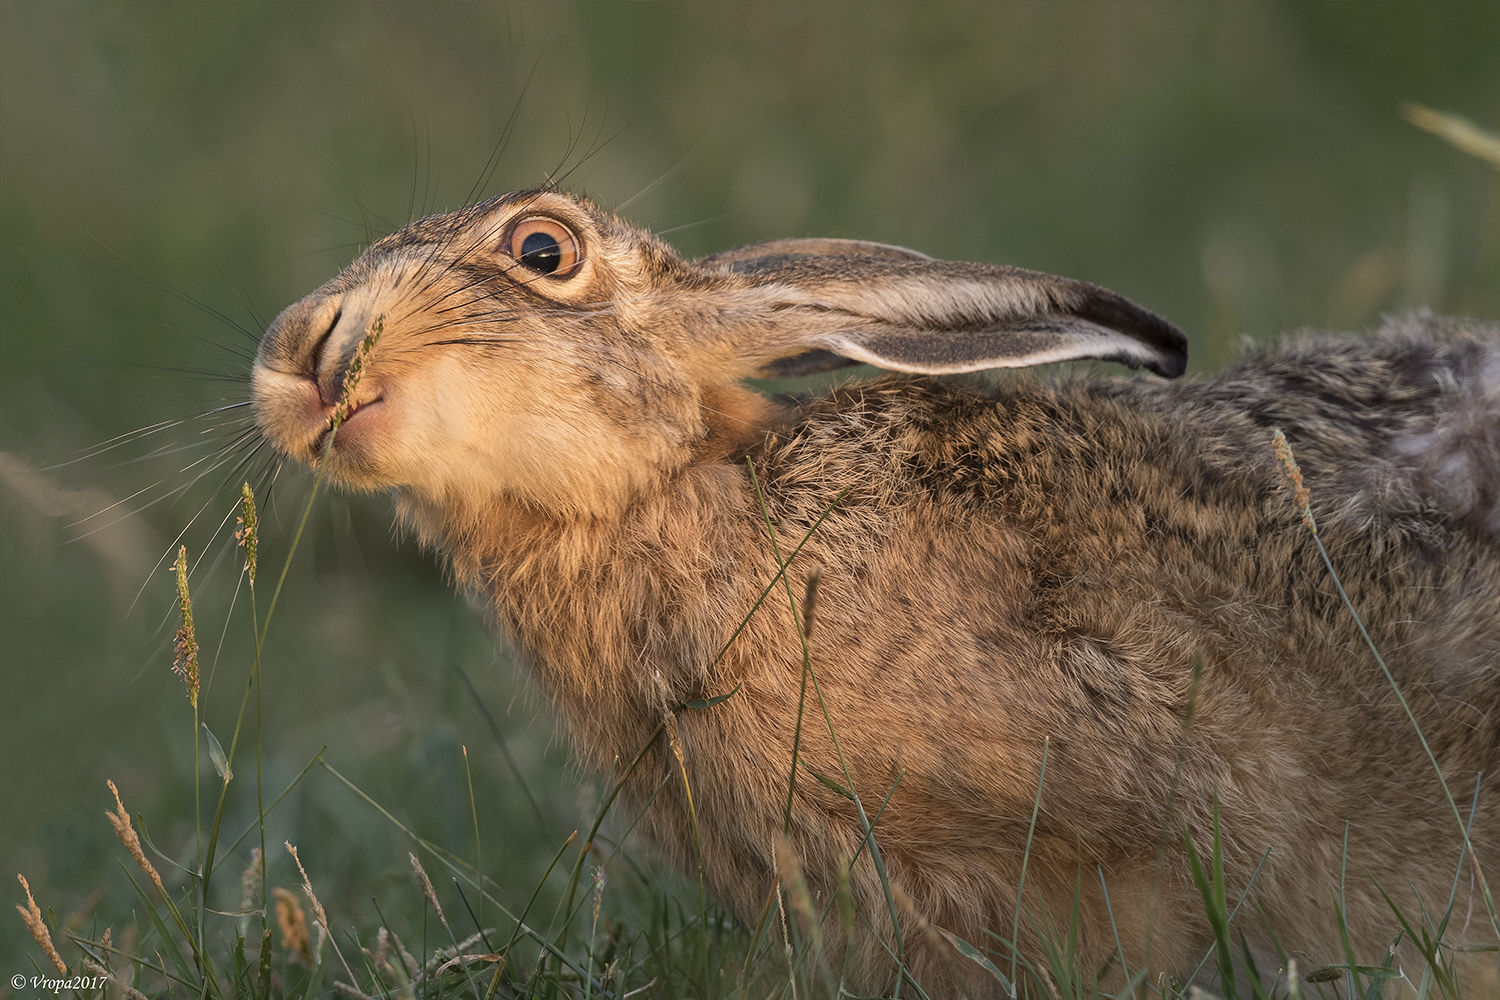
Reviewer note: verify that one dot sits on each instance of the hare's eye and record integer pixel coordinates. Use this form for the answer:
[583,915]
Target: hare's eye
[544,246]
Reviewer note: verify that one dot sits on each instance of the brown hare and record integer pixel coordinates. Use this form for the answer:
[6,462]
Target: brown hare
[555,400]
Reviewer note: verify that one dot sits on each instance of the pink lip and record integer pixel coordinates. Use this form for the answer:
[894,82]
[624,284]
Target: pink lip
[354,411]
[361,407]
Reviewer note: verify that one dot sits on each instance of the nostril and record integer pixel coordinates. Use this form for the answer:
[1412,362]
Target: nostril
[323,339]
[319,373]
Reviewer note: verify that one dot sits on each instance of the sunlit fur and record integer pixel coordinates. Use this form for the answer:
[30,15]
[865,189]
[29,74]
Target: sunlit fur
[1002,568]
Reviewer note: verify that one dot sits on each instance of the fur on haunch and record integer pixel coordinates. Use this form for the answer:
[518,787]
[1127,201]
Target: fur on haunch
[1005,570]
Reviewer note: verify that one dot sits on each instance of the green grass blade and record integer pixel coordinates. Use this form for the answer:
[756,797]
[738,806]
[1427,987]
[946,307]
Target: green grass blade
[1036,808]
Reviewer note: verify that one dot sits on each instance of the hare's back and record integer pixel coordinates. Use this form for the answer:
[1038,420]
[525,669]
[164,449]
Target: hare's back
[1129,524]
[1397,422]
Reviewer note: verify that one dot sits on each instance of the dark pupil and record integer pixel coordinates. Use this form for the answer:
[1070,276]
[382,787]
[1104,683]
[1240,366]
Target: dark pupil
[540,252]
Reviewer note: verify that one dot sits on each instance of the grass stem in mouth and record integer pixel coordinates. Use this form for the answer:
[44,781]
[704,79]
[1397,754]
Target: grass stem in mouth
[346,405]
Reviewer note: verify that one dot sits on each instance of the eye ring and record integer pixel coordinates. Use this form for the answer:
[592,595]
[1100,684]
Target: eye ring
[544,246]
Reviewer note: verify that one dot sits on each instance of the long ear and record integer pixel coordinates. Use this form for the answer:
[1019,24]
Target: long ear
[820,303]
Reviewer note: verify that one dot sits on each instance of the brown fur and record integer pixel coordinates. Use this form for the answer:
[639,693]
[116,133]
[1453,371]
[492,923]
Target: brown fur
[1001,565]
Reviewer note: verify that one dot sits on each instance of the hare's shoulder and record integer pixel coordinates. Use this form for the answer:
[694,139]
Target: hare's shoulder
[1024,446]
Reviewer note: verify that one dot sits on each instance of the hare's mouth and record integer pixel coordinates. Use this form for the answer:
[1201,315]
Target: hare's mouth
[351,425]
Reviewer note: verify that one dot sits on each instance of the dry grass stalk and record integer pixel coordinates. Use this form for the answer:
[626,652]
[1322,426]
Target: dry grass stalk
[126,832]
[185,645]
[320,918]
[1459,132]
[247,534]
[293,924]
[31,915]
[786,934]
[425,884]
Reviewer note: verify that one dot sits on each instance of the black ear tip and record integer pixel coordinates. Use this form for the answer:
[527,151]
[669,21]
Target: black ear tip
[1167,344]
[1173,367]
[1175,359]
[1168,364]
[1173,363]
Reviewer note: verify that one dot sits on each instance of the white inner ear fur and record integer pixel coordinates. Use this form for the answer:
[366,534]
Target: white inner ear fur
[936,300]
[1459,455]
[1084,340]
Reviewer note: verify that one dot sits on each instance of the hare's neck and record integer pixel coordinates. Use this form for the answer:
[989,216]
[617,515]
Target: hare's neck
[621,617]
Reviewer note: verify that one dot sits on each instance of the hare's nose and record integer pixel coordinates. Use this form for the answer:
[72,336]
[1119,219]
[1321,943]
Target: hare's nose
[295,340]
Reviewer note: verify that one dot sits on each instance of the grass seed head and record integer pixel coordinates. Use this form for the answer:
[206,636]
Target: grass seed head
[412,968]
[909,909]
[319,916]
[381,954]
[425,884]
[250,879]
[248,532]
[356,370]
[790,867]
[1301,495]
[31,915]
[119,981]
[185,646]
[293,923]
[845,895]
[599,879]
[125,830]
[810,601]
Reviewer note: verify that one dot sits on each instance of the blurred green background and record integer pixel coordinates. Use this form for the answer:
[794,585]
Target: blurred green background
[172,175]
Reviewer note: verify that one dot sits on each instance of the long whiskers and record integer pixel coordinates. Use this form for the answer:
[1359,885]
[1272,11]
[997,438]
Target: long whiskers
[666,175]
[124,269]
[129,437]
[223,454]
[498,152]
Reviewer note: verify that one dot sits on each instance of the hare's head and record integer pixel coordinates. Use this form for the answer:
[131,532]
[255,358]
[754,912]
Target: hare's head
[536,348]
